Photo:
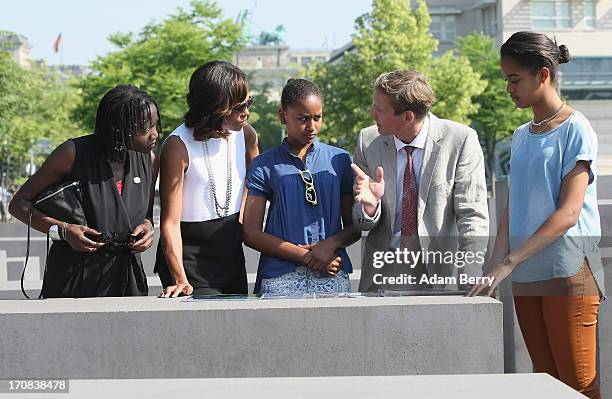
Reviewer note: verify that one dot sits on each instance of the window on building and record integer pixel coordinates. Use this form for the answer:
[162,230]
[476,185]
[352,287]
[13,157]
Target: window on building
[306,60]
[321,59]
[489,20]
[589,14]
[443,27]
[551,14]
[294,60]
[587,78]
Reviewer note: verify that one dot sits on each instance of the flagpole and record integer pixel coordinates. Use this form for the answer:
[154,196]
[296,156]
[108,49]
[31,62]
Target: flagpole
[59,47]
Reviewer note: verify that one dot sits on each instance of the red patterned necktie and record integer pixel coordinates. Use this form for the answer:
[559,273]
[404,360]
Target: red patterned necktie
[410,192]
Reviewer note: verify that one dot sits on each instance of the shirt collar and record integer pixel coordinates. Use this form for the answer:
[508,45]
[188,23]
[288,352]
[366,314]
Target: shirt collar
[418,141]
[315,146]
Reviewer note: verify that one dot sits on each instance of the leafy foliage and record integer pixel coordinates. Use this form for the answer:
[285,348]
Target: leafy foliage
[35,107]
[391,36]
[497,116]
[161,58]
[264,118]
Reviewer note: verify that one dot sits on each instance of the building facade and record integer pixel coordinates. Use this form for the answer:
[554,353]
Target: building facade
[304,57]
[584,26]
[17,45]
[273,64]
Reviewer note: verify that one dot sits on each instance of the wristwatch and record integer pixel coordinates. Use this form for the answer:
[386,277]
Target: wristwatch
[54,233]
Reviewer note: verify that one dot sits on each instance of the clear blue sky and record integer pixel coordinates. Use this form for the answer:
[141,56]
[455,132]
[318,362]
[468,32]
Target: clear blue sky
[85,24]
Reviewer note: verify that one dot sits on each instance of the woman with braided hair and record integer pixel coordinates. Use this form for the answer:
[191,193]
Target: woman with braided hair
[116,167]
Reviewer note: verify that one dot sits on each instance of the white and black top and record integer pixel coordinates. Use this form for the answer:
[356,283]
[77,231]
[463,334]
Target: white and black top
[198,200]
[213,258]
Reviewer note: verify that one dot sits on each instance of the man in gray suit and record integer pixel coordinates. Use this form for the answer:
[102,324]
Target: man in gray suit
[419,187]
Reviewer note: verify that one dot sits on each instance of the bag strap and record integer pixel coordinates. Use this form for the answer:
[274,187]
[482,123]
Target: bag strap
[25,265]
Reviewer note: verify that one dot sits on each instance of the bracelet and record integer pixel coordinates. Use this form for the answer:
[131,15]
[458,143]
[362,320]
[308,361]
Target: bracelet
[63,231]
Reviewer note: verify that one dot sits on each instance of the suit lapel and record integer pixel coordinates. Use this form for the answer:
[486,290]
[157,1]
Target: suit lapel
[388,161]
[430,157]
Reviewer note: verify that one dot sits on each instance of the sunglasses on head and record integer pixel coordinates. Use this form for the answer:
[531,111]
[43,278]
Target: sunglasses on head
[243,105]
[311,193]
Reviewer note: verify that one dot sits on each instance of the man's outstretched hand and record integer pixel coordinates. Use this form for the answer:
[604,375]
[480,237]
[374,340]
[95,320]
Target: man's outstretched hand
[367,191]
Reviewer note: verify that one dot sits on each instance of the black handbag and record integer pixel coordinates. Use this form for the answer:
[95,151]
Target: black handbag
[62,202]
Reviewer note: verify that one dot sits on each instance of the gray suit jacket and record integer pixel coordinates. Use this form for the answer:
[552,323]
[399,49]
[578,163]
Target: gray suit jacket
[452,210]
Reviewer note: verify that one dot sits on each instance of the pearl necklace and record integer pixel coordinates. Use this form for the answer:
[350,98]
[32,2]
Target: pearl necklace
[543,124]
[220,210]
[550,118]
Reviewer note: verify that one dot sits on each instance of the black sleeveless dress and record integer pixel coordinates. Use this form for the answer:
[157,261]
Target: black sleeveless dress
[213,258]
[111,270]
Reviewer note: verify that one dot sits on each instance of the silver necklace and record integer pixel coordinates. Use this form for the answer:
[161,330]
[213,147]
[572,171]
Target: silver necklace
[545,121]
[221,211]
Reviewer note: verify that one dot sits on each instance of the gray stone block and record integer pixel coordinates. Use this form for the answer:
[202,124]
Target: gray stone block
[509,386]
[148,337]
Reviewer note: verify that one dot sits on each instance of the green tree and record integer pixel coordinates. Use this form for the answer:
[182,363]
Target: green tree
[391,36]
[13,88]
[264,118]
[35,107]
[455,85]
[497,116]
[14,85]
[161,59]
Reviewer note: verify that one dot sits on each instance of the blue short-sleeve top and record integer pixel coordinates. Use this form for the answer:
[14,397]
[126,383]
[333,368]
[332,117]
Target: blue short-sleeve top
[275,175]
[538,164]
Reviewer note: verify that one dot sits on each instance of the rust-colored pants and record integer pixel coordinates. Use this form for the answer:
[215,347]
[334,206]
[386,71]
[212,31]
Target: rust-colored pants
[560,330]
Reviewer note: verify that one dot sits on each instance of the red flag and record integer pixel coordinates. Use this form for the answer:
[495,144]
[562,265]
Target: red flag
[58,43]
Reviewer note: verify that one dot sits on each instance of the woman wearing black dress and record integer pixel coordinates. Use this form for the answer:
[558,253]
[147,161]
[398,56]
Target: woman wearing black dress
[116,167]
[202,190]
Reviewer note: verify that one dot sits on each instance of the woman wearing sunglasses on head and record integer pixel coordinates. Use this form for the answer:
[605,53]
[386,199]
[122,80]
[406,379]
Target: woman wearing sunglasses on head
[202,187]
[310,188]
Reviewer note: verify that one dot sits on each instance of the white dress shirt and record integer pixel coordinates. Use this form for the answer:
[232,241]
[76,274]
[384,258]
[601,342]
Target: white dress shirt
[402,159]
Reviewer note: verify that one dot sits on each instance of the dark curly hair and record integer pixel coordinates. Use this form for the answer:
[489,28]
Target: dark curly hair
[298,89]
[214,89]
[123,111]
[535,51]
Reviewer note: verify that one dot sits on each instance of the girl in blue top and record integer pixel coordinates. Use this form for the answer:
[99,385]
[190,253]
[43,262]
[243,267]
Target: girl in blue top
[309,187]
[548,234]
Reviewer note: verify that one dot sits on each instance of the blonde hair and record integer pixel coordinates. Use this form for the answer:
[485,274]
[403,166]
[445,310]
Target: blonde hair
[408,90]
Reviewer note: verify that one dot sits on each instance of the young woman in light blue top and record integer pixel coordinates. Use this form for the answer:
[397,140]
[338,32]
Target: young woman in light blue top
[548,234]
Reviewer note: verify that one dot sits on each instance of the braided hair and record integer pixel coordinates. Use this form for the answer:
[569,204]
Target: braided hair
[213,89]
[123,112]
[297,90]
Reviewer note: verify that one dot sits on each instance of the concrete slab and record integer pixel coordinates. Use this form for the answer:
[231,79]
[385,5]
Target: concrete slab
[604,164]
[508,386]
[148,337]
